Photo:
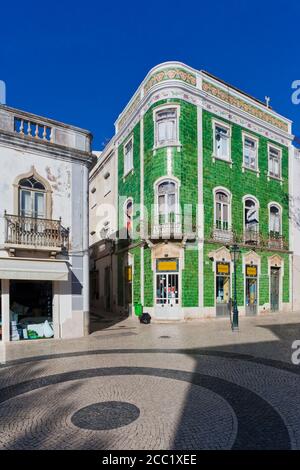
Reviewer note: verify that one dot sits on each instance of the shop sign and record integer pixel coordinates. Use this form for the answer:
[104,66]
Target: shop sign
[167,265]
[128,273]
[251,271]
[222,268]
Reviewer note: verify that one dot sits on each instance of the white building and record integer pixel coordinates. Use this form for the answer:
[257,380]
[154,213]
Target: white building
[44,264]
[103,225]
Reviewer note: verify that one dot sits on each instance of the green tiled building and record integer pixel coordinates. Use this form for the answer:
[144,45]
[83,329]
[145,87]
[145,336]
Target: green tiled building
[201,166]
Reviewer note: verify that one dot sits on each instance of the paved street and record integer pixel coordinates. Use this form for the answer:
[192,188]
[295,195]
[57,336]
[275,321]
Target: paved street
[193,385]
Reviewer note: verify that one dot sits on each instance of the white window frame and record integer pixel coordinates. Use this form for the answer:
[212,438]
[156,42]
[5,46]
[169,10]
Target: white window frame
[228,193]
[177,207]
[245,136]
[172,143]
[252,198]
[275,147]
[226,126]
[128,168]
[273,203]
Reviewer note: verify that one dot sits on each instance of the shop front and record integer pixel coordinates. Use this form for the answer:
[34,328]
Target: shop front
[222,289]
[167,282]
[29,298]
[251,288]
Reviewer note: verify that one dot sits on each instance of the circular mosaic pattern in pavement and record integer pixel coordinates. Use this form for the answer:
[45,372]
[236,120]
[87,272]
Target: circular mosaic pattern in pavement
[105,415]
[177,410]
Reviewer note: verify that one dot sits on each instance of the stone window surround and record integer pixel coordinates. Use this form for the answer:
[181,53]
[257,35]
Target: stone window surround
[225,125]
[254,199]
[48,191]
[130,170]
[246,135]
[276,204]
[228,193]
[175,143]
[276,147]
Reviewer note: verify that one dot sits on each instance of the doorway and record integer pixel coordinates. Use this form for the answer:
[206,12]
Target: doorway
[251,290]
[167,299]
[222,289]
[274,289]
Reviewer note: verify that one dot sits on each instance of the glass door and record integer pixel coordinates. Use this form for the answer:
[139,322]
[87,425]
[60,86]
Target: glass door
[223,289]
[251,290]
[274,301]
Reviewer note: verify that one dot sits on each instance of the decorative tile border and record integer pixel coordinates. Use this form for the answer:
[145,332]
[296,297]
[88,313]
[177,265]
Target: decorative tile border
[241,104]
[170,74]
[130,111]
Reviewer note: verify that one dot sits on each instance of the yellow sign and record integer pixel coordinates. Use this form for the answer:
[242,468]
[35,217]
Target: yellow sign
[167,266]
[251,271]
[128,273]
[223,268]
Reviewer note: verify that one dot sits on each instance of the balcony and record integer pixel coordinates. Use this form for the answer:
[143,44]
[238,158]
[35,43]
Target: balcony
[33,233]
[222,235]
[173,229]
[276,241]
[252,237]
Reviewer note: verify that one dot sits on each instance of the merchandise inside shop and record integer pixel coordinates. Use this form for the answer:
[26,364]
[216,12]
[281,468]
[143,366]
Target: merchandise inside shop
[31,310]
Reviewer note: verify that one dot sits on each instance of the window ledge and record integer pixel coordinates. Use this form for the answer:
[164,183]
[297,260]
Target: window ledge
[276,178]
[226,160]
[169,144]
[244,167]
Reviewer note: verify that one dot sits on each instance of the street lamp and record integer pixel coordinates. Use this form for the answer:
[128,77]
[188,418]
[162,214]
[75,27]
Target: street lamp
[235,253]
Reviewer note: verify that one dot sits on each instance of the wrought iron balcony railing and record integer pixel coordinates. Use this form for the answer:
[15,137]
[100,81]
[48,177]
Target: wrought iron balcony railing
[35,232]
[222,236]
[276,241]
[251,237]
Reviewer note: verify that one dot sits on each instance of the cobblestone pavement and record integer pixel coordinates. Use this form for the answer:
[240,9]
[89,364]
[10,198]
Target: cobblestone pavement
[193,385]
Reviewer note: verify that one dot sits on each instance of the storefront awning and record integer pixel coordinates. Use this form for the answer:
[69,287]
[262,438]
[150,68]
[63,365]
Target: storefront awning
[33,270]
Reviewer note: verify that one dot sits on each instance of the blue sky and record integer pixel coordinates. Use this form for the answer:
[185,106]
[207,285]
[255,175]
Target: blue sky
[81,63]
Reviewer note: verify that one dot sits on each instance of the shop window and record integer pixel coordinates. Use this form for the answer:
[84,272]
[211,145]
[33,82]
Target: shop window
[31,315]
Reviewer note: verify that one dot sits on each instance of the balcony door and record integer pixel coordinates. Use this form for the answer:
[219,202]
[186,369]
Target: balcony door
[32,201]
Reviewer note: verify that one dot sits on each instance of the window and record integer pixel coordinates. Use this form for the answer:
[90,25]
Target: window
[275,220]
[129,217]
[32,198]
[106,184]
[250,153]
[128,156]
[251,215]
[222,211]
[274,162]
[167,201]
[166,126]
[221,142]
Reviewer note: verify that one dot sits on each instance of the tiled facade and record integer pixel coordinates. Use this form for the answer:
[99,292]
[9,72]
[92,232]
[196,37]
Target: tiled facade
[190,163]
